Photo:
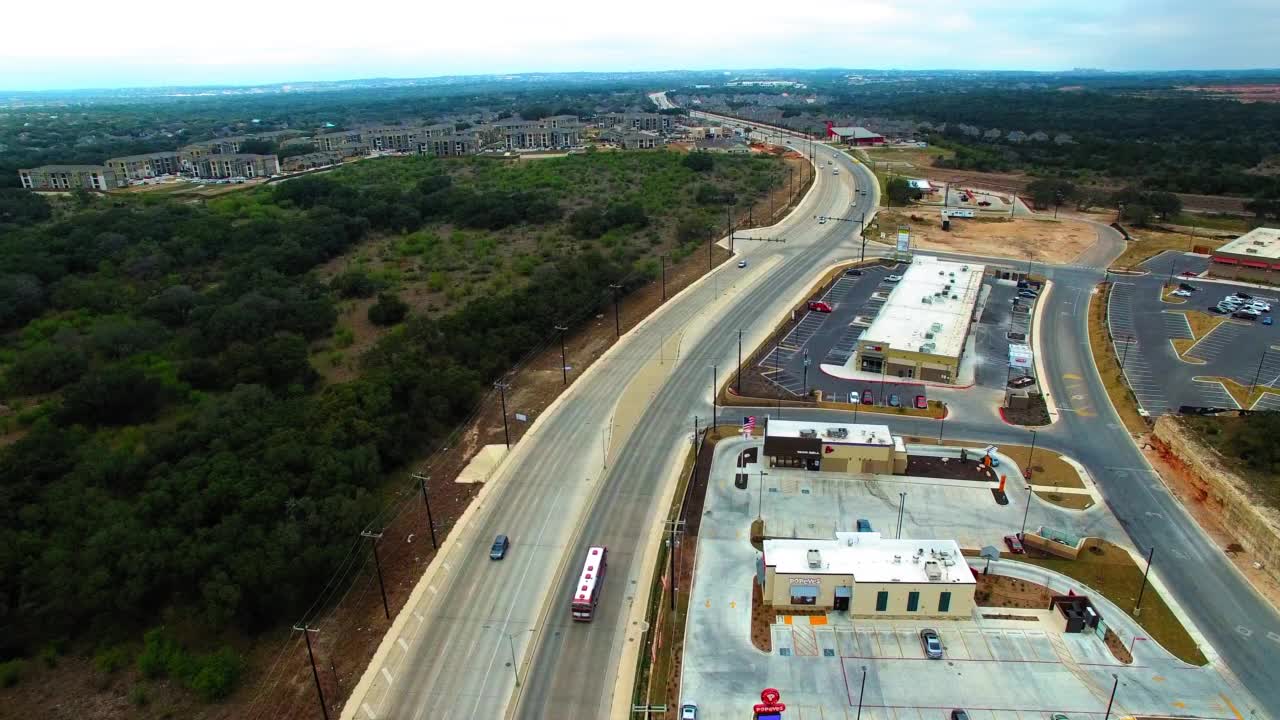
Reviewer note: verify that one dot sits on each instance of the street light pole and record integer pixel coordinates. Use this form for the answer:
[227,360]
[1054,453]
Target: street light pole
[738,379]
[805,383]
[1124,356]
[862,690]
[1031,456]
[715,382]
[1114,687]
[1150,555]
[942,424]
[1258,374]
[760,502]
[617,324]
[1026,512]
[902,506]
[506,431]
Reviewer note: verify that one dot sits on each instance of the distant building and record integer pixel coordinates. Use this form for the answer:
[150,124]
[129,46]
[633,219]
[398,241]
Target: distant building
[633,139]
[311,161]
[834,447]
[69,177]
[233,165]
[653,122]
[856,136]
[337,140]
[449,145]
[730,145]
[537,136]
[1254,256]
[142,167]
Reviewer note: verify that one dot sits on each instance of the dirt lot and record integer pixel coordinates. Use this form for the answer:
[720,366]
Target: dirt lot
[950,468]
[1058,241]
[1266,92]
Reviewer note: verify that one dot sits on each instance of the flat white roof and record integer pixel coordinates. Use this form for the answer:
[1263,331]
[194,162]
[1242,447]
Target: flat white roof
[1262,242]
[919,316]
[832,433]
[871,558]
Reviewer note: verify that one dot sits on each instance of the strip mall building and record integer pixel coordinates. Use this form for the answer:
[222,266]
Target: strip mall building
[1253,257]
[834,447]
[864,574]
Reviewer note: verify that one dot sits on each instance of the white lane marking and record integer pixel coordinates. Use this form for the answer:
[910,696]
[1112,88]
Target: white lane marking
[369,711]
[1244,630]
[1273,636]
[403,644]
[387,674]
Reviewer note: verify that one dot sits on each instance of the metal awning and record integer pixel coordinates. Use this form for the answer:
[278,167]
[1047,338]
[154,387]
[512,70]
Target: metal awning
[1225,260]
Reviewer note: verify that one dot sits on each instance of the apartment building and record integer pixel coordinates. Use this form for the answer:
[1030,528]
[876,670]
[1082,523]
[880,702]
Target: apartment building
[69,177]
[142,167]
[310,161]
[537,136]
[232,165]
[633,139]
[449,145]
[652,122]
[336,141]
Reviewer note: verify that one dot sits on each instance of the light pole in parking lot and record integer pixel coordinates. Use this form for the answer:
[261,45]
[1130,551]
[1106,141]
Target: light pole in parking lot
[1114,686]
[902,508]
[738,379]
[1124,356]
[1026,512]
[760,502]
[943,422]
[860,691]
[715,383]
[805,383]
[1258,374]
[1031,457]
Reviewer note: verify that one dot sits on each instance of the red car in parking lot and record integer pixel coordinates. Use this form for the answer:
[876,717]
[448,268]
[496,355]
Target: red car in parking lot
[819,306]
[866,398]
[921,403]
[1015,545]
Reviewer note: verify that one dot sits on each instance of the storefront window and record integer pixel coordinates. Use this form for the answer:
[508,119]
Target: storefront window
[913,601]
[804,595]
[944,602]
[882,601]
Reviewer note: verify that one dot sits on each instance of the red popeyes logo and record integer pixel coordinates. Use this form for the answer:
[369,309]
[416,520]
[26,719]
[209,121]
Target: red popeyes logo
[769,698]
[828,449]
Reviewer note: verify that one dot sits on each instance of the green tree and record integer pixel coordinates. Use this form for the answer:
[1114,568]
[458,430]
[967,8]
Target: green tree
[1164,204]
[1050,192]
[900,192]
[46,367]
[1137,214]
[389,310]
[699,161]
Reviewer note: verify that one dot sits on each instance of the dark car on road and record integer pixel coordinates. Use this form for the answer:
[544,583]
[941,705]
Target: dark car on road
[959,714]
[866,397]
[1245,315]
[1188,287]
[1022,381]
[932,643]
[1029,294]
[500,546]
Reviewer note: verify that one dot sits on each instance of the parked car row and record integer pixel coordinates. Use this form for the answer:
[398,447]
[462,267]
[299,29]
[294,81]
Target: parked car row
[1243,307]
[894,400]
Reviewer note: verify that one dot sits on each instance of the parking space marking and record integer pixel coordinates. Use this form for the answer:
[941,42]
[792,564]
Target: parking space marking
[910,644]
[1213,393]
[953,644]
[888,641]
[975,644]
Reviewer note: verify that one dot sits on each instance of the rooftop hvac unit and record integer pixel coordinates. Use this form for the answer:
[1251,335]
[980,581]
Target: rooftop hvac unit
[1259,243]
[815,559]
[897,559]
[809,433]
[936,327]
[1251,251]
[926,300]
[955,297]
[933,571]
[928,336]
[838,432]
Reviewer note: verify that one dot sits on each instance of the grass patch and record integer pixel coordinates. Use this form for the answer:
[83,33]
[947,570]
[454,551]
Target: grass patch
[1150,243]
[1070,501]
[1104,358]
[1111,571]
[1231,223]
[1049,467]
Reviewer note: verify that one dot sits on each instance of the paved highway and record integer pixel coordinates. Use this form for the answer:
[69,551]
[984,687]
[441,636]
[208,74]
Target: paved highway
[553,496]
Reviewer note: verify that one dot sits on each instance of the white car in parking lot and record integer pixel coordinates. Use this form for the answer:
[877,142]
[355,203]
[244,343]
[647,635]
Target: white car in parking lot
[1181,293]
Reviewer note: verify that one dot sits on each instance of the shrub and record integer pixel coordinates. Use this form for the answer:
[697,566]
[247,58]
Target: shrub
[698,161]
[109,660]
[11,672]
[138,695]
[47,367]
[389,310]
[354,284]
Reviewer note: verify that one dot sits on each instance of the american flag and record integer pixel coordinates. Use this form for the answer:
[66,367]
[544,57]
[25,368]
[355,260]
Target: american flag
[748,424]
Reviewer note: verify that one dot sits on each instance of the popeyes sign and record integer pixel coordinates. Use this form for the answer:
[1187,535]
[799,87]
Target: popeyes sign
[769,706]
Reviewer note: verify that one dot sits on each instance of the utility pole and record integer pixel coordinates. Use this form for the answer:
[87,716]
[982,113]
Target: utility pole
[760,502]
[663,260]
[564,364]
[374,537]
[502,390]
[739,377]
[710,236]
[728,212]
[791,194]
[902,507]
[617,325]
[306,633]
[431,523]
[943,422]
[1150,555]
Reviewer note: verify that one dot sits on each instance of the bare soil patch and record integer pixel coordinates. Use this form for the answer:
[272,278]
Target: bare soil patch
[949,468]
[1006,592]
[1047,241]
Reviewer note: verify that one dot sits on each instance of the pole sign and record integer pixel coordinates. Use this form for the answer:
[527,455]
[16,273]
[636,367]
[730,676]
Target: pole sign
[904,239]
[770,706]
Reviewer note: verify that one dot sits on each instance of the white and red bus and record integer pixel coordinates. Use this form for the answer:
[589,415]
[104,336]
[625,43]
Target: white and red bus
[587,592]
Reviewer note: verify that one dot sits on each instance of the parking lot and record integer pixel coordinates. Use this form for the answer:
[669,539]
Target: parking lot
[994,668]
[819,338]
[1142,325]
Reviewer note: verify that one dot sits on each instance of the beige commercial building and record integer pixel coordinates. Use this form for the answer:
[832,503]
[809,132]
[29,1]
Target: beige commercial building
[867,575]
[69,177]
[921,330]
[834,447]
[1253,257]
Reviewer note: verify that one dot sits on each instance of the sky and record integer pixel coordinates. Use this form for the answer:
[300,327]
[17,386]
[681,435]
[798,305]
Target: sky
[139,43]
